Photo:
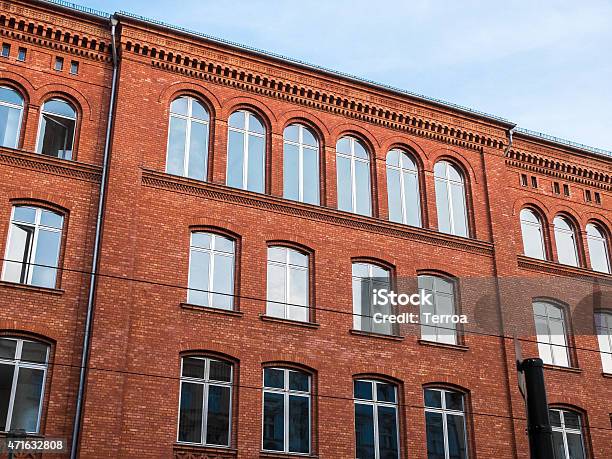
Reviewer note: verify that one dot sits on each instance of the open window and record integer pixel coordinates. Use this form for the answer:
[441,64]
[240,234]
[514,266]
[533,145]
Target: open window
[57,129]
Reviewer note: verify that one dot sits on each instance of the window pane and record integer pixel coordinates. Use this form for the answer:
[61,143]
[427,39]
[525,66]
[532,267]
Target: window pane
[51,219]
[9,126]
[308,138]
[598,252]
[27,399]
[442,206]
[558,446]
[6,382]
[18,253]
[299,381]
[199,111]
[56,136]
[220,371]
[571,420]
[311,176]
[198,151]
[176,146]
[237,119]
[273,377]
[276,290]
[433,398]
[574,445]
[24,214]
[298,294]
[459,211]
[199,265]
[385,392]
[456,437]
[190,417]
[255,178]
[59,107]
[223,244]
[218,420]
[34,352]
[255,124]
[532,241]
[202,240]
[435,436]
[454,401]
[344,145]
[345,200]
[364,431]
[299,424]
[273,422]
[7,348]
[555,418]
[223,282]
[180,106]
[10,96]
[362,183]
[394,197]
[292,133]
[412,198]
[566,247]
[235,159]
[363,390]
[45,259]
[387,432]
[291,183]
[193,368]
[298,258]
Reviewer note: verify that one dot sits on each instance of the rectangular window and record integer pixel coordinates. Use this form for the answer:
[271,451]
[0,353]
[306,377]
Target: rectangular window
[74,68]
[552,334]
[597,198]
[566,190]
[587,195]
[6,50]
[205,401]
[442,293]
[211,271]
[368,277]
[286,411]
[32,251]
[567,434]
[603,327]
[556,188]
[524,180]
[21,55]
[534,182]
[59,64]
[445,424]
[288,284]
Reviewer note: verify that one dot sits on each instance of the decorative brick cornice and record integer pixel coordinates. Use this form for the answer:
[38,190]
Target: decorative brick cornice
[549,267]
[50,165]
[223,193]
[564,170]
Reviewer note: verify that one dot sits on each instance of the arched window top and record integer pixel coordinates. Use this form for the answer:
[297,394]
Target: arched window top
[351,146]
[212,241]
[189,107]
[247,121]
[401,159]
[287,255]
[10,96]
[548,308]
[447,171]
[562,223]
[598,248]
[301,135]
[203,367]
[365,270]
[595,231]
[529,216]
[567,250]
[60,107]
[375,390]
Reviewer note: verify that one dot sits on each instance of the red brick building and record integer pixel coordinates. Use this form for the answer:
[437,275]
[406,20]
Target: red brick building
[248,200]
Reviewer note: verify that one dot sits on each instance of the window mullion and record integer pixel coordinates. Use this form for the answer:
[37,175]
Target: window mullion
[301,172]
[245,149]
[376,429]
[286,411]
[211,274]
[287,284]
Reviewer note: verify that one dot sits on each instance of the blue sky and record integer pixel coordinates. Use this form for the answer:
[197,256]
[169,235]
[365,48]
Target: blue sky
[546,65]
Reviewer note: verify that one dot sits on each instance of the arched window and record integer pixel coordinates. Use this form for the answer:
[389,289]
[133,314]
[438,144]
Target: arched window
[567,434]
[565,237]
[445,424]
[287,410]
[450,199]
[32,251]
[598,248]
[57,128]
[551,331]
[441,303]
[288,284]
[403,188]
[23,367]
[11,113]
[353,176]
[533,235]
[376,419]
[603,328]
[188,138]
[246,152]
[211,271]
[205,401]
[300,164]
[367,280]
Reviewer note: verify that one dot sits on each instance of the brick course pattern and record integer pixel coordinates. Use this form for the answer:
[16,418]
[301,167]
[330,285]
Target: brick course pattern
[142,325]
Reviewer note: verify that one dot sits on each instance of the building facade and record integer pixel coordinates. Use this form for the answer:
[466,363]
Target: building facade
[251,205]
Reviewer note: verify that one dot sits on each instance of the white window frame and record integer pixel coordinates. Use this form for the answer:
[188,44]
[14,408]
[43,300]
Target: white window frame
[187,147]
[212,252]
[245,147]
[538,226]
[541,339]
[301,147]
[18,364]
[445,412]
[206,382]
[401,169]
[435,293]
[359,316]
[602,239]
[572,233]
[287,267]
[375,403]
[40,120]
[604,337]
[353,159]
[286,392]
[17,107]
[37,226]
[447,181]
[564,430]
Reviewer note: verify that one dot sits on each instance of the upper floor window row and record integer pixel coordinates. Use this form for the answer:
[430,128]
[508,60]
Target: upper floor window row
[566,239]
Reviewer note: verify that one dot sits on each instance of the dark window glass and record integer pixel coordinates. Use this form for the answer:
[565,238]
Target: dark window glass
[190,423]
[435,436]
[273,422]
[364,431]
[299,424]
[274,378]
[363,390]
[217,427]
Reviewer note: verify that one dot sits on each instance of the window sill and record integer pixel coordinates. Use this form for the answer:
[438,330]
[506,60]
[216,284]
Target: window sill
[295,323]
[203,451]
[32,288]
[560,368]
[355,332]
[455,347]
[280,455]
[606,375]
[225,312]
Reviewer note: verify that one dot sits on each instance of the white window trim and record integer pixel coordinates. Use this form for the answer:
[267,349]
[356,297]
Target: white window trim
[286,392]
[540,229]
[21,110]
[245,148]
[40,120]
[375,403]
[549,334]
[445,412]
[187,147]
[447,181]
[435,293]
[565,430]
[206,382]
[18,364]
[287,267]
[401,169]
[602,239]
[353,159]
[301,147]
[359,315]
[30,261]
